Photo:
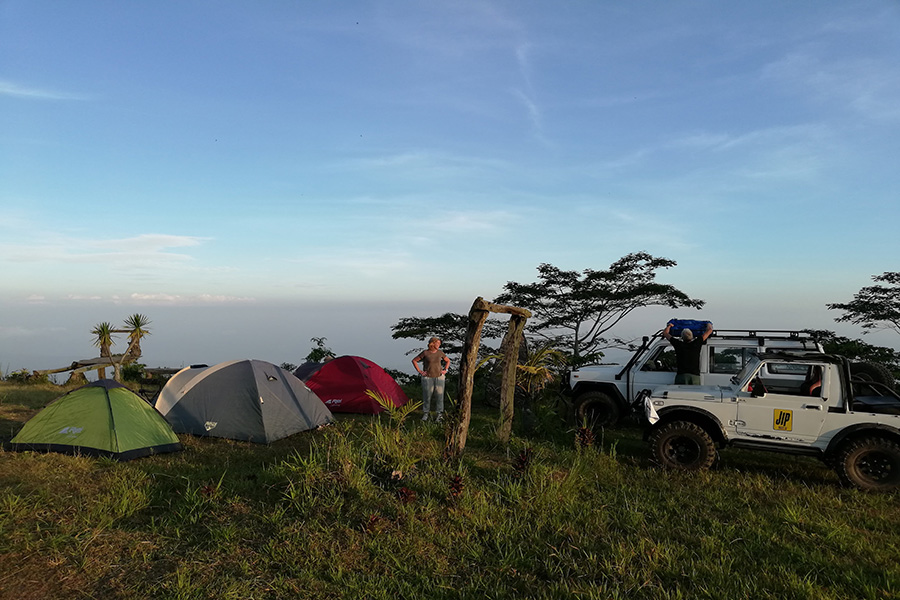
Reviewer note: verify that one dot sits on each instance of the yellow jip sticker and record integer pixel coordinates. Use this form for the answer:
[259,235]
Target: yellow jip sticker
[784,420]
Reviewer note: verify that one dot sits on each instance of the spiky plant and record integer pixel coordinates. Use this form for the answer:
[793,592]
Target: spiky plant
[104,337]
[397,414]
[522,462]
[138,328]
[456,487]
[539,368]
[584,437]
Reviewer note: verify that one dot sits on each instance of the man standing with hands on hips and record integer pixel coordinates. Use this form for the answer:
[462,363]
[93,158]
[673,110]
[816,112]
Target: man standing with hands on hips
[436,365]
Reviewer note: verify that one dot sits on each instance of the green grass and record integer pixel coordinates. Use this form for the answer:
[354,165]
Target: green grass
[358,510]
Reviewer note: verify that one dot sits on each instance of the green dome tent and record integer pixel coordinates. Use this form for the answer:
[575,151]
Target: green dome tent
[103,418]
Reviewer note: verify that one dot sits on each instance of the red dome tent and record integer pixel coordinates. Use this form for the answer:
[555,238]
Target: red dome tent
[341,383]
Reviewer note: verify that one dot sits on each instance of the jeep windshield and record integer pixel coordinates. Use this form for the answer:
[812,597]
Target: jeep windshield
[748,369]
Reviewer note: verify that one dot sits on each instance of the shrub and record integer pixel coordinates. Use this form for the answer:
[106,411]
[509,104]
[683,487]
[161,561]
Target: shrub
[133,372]
[26,376]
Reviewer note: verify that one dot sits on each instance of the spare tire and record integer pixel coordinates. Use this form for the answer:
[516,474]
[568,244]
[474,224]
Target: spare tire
[869,371]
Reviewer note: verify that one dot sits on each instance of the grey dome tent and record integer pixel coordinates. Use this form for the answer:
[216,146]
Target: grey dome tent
[249,400]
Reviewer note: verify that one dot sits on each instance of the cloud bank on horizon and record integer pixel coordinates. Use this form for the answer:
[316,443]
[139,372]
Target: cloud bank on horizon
[245,155]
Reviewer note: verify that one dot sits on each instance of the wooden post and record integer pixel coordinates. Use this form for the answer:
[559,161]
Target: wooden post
[510,351]
[456,441]
[478,314]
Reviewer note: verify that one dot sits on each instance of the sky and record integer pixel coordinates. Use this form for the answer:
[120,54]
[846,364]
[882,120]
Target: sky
[250,175]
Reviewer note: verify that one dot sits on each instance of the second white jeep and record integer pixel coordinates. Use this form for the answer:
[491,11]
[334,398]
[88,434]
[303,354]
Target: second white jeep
[603,394]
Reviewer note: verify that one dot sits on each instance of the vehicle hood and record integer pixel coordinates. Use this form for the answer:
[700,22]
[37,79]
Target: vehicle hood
[592,373]
[691,393]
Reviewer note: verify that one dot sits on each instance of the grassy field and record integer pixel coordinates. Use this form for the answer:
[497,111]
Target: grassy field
[364,510]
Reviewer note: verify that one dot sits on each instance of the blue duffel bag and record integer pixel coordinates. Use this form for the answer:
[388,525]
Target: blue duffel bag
[698,328]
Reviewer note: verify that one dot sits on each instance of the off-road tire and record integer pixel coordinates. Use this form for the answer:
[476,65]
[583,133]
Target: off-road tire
[683,445]
[871,464]
[872,372]
[597,410]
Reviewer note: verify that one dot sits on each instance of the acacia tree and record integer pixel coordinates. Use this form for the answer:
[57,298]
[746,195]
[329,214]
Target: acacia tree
[320,352]
[857,350]
[576,309]
[449,327]
[874,306]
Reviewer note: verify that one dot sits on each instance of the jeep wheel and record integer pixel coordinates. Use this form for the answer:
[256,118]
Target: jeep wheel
[872,372]
[597,410]
[870,464]
[683,445]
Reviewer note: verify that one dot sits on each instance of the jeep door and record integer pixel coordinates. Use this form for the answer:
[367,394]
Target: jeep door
[788,417]
[657,369]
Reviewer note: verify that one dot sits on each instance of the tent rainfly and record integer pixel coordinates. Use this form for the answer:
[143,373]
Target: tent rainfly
[341,383]
[248,400]
[103,418]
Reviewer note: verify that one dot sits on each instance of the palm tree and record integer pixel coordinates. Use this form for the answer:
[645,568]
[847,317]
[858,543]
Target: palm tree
[105,338]
[137,326]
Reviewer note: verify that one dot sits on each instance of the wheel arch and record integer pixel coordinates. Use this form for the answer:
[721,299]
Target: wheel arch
[709,422]
[862,430]
[584,387]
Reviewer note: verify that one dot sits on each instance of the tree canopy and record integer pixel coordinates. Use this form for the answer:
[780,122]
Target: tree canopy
[874,306]
[449,327]
[319,352]
[857,349]
[576,309]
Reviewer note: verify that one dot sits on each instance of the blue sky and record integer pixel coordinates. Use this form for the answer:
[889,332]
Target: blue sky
[252,174]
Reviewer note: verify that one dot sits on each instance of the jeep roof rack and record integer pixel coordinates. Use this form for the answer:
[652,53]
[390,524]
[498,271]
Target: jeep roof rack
[764,335]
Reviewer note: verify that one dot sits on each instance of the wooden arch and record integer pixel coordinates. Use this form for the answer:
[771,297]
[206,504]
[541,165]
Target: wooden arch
[509,347]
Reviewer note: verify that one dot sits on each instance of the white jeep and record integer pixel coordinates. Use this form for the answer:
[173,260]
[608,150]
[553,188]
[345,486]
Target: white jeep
[603,394]
[798,403]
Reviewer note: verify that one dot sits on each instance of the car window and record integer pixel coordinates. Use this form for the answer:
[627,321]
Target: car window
[787,368]
[731,360]
[662,359]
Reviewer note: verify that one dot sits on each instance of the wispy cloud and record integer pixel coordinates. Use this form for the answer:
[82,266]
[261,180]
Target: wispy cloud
[532,109]
[472,222]
[356,262]
[188,300]
[450,30]
[10,88]
[427,164]
[795,147]
[868,87]
[17,331]
[526,93]
[143,249]
[765,137]
[150,242]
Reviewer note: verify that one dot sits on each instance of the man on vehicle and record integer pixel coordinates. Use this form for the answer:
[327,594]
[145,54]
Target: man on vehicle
[687,353]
